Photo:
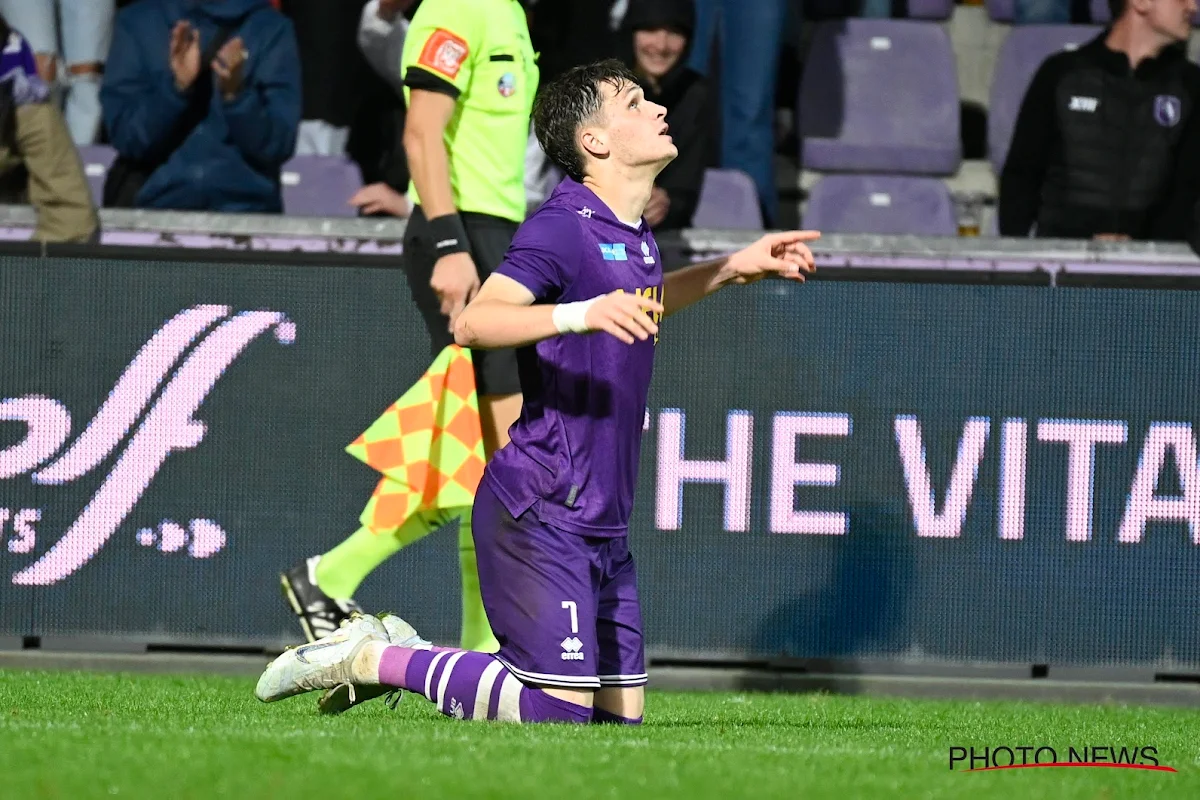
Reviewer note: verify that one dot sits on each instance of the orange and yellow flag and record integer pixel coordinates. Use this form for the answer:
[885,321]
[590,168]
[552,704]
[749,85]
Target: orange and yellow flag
[428,445]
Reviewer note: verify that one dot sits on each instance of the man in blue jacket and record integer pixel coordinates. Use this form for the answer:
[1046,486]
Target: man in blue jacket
[202,102]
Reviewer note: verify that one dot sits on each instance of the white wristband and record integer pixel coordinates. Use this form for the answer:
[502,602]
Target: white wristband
[568,317]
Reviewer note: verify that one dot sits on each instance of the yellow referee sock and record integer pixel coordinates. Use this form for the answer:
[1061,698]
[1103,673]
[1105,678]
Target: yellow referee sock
[342,569]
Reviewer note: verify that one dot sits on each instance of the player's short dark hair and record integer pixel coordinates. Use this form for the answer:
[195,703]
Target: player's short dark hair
[570,101]
[1116,8]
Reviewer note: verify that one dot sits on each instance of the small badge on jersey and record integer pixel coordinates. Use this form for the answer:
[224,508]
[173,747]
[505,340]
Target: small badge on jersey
[614,252]
[507,85]
[1167,110]
[649,259]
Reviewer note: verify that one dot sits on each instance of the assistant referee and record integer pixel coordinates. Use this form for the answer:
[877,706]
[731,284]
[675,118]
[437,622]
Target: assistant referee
[470,75]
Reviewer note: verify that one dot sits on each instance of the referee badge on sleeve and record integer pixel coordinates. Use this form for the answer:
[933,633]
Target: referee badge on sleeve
[507,85]
[444,53]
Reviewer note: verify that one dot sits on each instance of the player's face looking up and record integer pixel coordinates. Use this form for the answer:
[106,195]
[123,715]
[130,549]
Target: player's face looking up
[594,117]
[630,130]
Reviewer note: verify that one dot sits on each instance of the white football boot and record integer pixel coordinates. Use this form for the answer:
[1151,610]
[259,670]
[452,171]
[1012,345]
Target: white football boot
[346,696]
[325,663]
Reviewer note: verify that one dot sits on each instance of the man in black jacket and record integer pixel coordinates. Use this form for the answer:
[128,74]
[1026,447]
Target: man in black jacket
[1107,142]
[656,38]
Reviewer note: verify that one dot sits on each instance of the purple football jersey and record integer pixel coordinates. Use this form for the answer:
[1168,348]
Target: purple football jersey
[574,452]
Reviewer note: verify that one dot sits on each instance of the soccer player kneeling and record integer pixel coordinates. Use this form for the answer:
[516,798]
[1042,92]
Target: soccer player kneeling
[581,293]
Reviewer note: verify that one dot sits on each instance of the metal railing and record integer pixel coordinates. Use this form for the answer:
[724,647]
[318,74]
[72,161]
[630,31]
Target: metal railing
[383,235]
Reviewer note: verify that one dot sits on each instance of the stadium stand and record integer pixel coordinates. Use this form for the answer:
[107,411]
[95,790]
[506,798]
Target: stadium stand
[930,9]
[729,201]
[97,158]
[1000,10]
[320,186]
[880,96]
[881,204]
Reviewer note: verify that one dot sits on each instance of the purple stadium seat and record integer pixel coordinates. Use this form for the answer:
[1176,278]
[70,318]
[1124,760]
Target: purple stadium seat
[1100,13]
[96,158]
[728,199]
[1023,51]
[880,96]
[930,9]
[881,204]
[1000,10]
[320,186]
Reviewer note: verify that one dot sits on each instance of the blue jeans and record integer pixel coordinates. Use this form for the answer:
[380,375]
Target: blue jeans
[750,36]
[1041,12]
[82,38]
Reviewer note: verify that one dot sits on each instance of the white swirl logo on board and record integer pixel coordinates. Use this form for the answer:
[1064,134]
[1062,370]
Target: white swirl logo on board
[166,426]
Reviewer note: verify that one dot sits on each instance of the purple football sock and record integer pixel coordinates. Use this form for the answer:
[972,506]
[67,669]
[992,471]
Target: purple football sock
[468,685]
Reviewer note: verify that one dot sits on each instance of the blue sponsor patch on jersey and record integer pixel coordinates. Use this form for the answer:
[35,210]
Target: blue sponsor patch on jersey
[614,252]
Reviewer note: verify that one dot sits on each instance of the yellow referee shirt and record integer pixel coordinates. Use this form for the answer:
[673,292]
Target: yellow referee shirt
[479,52]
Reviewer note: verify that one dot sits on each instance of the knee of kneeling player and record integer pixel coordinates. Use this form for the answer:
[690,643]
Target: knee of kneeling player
[602,717]
[620,704]
[539,706]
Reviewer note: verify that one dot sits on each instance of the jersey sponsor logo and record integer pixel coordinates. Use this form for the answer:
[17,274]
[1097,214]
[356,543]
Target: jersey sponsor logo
[444,52]
[1167,110]
[614,252]
[586,212]
[507,85]
[1088,104]
[654,293]
[649,259]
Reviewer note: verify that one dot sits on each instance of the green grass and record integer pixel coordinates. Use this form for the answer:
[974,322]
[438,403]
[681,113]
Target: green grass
[77,735]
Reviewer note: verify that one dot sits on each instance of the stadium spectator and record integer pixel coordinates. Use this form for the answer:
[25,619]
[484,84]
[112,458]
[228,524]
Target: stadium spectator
[657,37]
[78,33]
[202,103]
[331,82]
[749,39]
[566,35]
[1107,141]
[38,161]
[381,34]
[573,33]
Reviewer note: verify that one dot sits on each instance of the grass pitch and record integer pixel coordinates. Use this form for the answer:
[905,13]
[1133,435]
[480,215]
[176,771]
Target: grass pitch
[82,735]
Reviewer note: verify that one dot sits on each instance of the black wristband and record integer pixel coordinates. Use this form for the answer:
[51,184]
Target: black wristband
[449,235]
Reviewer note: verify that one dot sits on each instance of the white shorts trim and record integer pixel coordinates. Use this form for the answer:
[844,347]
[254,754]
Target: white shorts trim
[561,681]
[624,680]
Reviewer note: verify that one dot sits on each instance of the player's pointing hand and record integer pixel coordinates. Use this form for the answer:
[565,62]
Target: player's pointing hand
[783,255]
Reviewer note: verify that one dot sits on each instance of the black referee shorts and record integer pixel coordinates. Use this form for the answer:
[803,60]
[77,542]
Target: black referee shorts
[489,237]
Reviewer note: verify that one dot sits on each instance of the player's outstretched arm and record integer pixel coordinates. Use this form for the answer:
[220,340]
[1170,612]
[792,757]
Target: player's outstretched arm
[781,255]
[503,315]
